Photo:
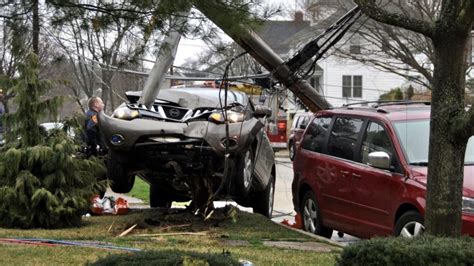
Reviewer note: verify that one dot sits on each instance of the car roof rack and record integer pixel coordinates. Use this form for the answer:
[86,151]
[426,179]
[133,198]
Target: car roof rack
[387,102]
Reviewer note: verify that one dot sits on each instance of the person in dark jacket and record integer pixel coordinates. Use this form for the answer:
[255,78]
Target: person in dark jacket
[94,142]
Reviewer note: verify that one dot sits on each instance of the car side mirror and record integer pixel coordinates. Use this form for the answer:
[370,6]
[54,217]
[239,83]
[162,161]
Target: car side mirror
[303,126]
[262,111]
[379,159]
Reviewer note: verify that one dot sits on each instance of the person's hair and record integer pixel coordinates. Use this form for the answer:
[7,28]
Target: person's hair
[93,101]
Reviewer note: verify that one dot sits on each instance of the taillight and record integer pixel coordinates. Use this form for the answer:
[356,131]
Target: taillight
[282,125]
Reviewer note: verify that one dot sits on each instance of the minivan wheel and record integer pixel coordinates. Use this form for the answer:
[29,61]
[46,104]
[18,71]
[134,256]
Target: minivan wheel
[410,224]
[264,200]
[291,150]
[312,220]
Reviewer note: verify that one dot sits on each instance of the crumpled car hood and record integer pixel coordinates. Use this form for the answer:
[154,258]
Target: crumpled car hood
[193,98]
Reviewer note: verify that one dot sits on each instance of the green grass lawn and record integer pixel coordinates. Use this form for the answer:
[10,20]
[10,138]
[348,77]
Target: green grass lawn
[140,190]
[216,235]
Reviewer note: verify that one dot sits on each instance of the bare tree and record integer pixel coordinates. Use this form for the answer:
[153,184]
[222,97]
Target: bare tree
[451,124]
[397,50]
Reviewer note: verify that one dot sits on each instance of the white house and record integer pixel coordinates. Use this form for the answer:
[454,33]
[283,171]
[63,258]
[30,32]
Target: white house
[339,80]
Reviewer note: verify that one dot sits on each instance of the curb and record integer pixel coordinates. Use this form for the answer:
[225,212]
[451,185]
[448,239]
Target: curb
[319,238]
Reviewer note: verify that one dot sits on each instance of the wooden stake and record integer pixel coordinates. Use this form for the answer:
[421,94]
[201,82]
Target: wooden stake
[124,233]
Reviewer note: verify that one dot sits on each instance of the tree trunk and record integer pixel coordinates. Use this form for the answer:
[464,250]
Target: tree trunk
[36,27]
[446,156]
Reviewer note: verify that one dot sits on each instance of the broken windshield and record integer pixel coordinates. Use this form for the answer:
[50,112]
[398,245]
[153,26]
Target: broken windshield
[414,137]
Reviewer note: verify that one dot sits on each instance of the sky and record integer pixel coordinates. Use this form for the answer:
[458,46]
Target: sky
[189,48]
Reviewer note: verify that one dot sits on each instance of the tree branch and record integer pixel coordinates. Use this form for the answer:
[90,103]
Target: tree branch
[466,16]
[464,125]
[369,8]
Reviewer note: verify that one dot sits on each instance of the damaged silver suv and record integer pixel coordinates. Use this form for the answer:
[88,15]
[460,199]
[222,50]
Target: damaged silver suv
[179,146]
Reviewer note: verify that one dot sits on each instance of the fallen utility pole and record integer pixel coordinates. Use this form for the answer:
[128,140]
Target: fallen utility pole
[285,72]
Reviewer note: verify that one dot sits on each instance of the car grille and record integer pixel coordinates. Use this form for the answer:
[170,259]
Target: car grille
[174,112]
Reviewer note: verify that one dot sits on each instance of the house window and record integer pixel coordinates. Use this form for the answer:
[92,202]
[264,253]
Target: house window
[354,47]
[352,86]
[314,81]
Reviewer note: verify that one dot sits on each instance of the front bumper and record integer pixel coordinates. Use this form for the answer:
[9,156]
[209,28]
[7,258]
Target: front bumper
[147,132]
[467,225]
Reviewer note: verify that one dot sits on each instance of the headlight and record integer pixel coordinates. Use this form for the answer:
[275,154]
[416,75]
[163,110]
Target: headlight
[468,205]
[125,113]
[232,116]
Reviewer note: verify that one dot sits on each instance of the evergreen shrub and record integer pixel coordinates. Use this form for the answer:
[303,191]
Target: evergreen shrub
[425,250]
[44,181]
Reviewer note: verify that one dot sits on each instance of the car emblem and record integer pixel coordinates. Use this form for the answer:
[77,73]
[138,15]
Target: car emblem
[174,112]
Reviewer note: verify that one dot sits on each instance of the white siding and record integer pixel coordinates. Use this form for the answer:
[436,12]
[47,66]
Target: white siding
[374,81]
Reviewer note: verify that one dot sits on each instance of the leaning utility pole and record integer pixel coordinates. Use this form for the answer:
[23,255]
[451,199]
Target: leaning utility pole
[163,62]
[285,72]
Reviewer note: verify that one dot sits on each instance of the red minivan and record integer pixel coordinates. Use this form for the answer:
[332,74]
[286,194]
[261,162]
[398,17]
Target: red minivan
[363,171]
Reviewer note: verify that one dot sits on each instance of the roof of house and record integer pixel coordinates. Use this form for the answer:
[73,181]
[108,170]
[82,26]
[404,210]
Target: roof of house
[277,33]
[280,35]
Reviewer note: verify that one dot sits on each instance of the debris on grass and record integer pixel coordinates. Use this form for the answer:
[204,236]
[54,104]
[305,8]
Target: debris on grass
[124,233]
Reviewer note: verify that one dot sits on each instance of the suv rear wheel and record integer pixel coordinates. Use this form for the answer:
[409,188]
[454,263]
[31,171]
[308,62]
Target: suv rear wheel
[158,197]
[410,224]
[312,220]
[264,200]
[121,178]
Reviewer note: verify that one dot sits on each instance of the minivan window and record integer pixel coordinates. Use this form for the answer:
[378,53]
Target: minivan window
[316,134]
[375,139]
[344,136]
[414,137]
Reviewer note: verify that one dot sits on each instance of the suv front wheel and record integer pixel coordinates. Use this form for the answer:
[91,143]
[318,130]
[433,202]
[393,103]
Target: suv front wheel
[312,220]
[121,178]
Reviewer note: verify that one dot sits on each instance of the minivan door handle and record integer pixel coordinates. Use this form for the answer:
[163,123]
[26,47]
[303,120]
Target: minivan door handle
[356,176]
[344,172]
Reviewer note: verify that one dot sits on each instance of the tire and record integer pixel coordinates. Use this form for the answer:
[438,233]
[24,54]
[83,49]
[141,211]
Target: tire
[410,224]
[158,197]
[244,173]
[264,200]
[311,216]
[291,150]
[119,175]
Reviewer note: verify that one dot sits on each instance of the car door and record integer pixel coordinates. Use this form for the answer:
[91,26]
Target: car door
[372,188]
[336,177]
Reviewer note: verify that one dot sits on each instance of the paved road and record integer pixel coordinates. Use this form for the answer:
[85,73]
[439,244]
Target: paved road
[283,207]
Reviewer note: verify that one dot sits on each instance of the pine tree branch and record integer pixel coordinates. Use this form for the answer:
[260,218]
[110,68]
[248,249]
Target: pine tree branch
[370,8]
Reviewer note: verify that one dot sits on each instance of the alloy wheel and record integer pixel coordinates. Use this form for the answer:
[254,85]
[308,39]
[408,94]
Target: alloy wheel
[248,165]
[310,215]
[292,151]
[412,229]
